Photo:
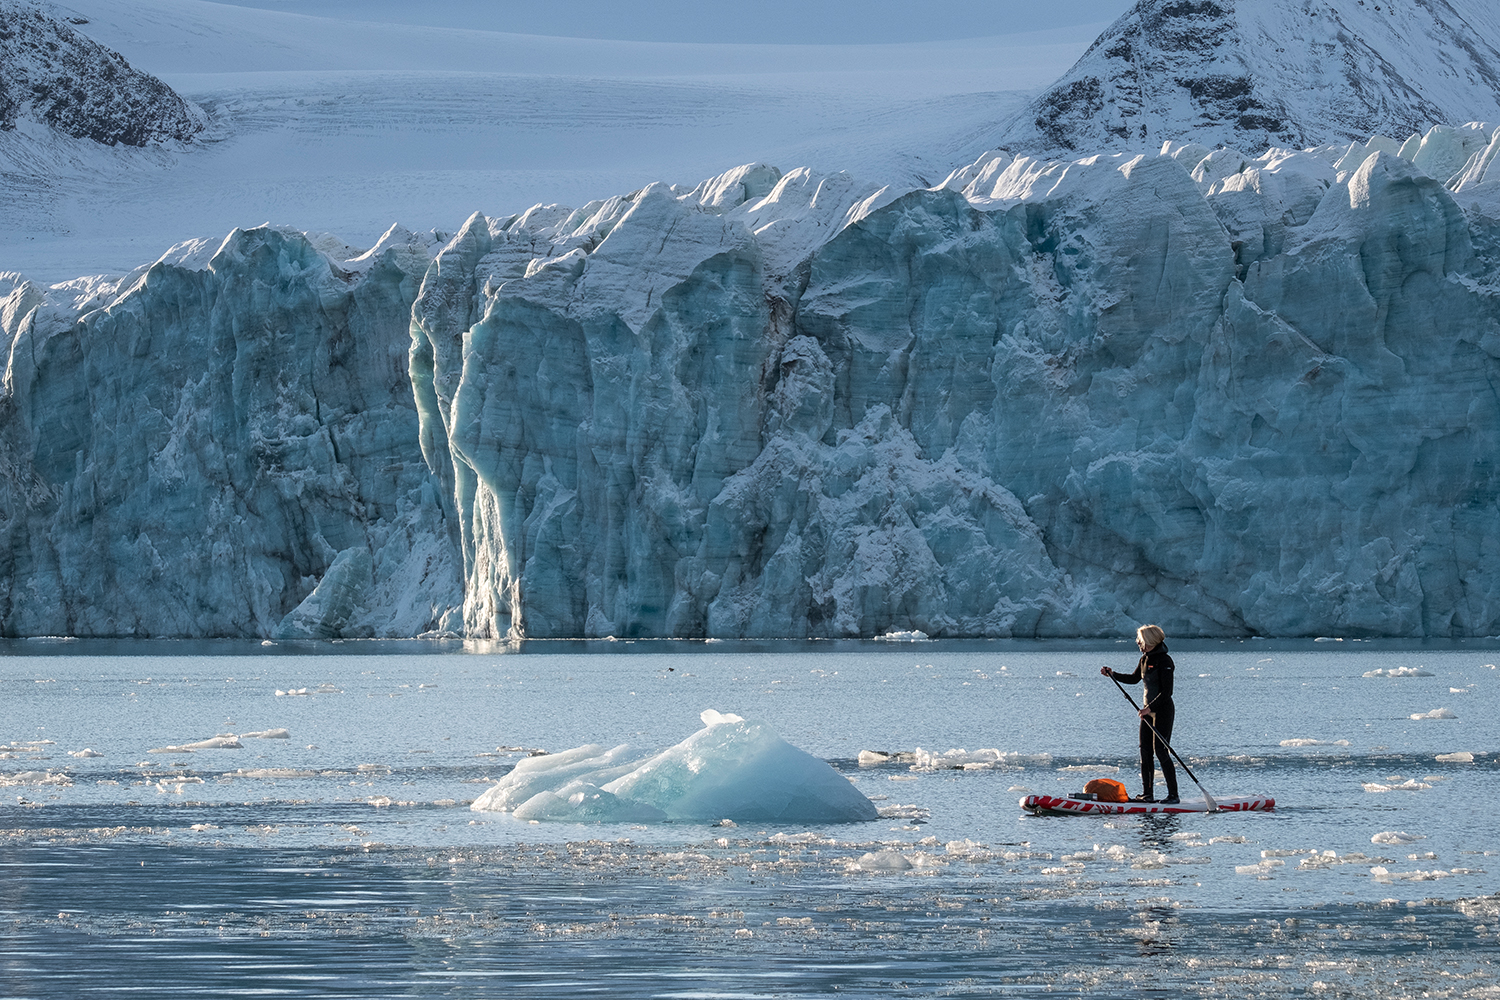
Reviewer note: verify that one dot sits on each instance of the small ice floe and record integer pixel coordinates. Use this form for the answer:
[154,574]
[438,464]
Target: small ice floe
[1458,757]
[228,741]
[1436,713]
[1316,861]
[733,768]
[915,635]
[964,760]
[1381,874]
[266,642]
[1092,768]
[91,752]
[1396,838]
[869,758]
[267,734]
[1409,785]
[173,783]
[1327,638]
[35,778]
[1398,672]
[270,772]
[882,861]
[202,827]
[324,688]
[912,812]
[1263,869]
[1314,743]
[1228,838]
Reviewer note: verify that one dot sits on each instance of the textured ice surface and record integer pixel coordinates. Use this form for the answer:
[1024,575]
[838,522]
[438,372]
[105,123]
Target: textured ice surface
[1231,394]
[227,440]
[731,769]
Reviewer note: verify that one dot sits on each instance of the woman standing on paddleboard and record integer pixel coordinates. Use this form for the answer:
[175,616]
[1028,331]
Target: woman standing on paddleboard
[1155,668]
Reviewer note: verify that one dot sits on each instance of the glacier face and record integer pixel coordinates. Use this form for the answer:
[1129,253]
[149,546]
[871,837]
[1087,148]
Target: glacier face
[1231,395]
[1228,394]
[223,443]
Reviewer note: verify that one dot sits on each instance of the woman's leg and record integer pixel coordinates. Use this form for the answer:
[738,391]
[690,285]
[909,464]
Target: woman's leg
[1148,769]
[1163,723]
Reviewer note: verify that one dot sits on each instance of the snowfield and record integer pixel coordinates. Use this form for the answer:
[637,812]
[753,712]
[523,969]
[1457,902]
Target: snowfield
[343,126]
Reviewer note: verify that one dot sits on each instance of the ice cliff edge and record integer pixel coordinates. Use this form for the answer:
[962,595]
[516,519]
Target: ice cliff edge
[1232,395]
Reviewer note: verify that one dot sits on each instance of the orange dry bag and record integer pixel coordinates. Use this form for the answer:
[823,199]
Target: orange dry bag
[1107,790]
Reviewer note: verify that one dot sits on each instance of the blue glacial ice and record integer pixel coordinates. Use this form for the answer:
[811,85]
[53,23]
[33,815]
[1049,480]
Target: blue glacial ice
[731,769]
[1230,394]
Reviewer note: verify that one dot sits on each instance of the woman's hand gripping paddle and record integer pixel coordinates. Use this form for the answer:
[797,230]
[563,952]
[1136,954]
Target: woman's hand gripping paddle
[1209,799]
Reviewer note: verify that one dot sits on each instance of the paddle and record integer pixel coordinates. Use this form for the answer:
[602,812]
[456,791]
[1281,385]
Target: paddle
[1212,805]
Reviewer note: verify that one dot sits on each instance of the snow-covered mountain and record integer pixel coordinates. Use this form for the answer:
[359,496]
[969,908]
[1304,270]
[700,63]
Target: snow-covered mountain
[52,75]
[1258,73]
[1231,395]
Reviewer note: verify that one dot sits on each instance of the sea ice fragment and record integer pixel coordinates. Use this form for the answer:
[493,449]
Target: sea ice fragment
[883,861]
[733,769]
[1396,837]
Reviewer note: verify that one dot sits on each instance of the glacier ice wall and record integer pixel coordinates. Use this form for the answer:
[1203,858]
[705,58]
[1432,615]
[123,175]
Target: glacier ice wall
[1228,394]
[223,443]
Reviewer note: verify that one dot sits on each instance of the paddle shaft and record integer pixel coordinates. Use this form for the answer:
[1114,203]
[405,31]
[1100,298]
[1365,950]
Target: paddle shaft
[1212,805]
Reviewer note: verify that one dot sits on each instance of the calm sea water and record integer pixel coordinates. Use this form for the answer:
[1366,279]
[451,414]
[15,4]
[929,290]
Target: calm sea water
[342,860]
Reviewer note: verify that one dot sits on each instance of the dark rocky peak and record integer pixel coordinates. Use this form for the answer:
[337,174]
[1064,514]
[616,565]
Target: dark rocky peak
[52,75]
[1258,73]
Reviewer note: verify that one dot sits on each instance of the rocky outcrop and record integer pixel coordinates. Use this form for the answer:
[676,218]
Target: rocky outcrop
[52,75]
[1249,75]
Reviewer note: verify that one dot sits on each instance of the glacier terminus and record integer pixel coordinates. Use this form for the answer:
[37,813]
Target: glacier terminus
[1229,394]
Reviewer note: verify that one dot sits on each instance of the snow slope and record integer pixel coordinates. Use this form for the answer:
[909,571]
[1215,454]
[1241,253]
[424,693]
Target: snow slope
[1253,73]
[349,126]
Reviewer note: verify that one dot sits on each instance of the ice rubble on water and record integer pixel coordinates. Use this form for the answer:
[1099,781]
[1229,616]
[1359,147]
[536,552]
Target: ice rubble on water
[733,769]
[1229,393]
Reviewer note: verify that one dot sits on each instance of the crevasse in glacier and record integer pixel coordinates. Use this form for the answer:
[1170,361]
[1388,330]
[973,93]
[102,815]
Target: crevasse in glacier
[1230,394]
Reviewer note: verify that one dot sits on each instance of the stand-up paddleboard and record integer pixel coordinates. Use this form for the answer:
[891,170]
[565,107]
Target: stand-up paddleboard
[1071,805]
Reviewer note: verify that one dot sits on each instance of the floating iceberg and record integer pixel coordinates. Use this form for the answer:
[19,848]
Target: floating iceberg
[731,769]
[1397,838]
[910,635]
[1436,713]
[1398,672]
[227,741]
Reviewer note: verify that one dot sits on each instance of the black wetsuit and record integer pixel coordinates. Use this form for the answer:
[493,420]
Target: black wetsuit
[1155,668]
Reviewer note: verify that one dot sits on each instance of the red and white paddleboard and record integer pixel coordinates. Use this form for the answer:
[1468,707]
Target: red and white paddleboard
[1065,805]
